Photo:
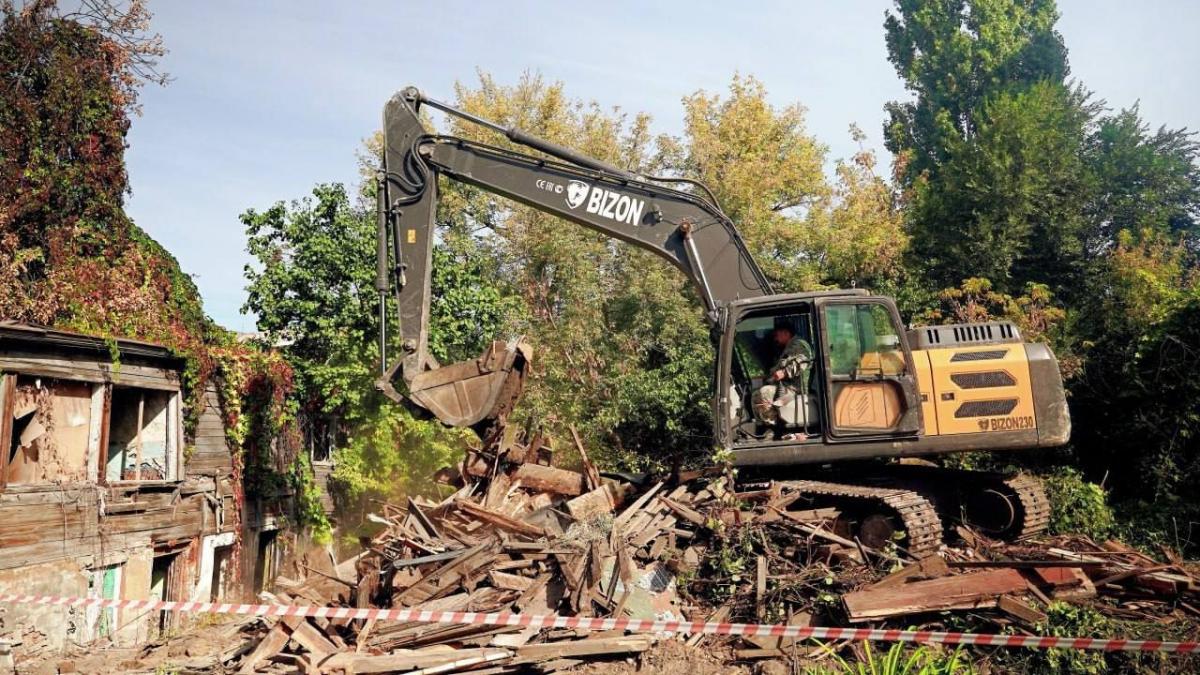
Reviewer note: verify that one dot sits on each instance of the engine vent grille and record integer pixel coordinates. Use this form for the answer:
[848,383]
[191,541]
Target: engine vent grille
[994,378]
[992,332]
[986,408]
[988,355]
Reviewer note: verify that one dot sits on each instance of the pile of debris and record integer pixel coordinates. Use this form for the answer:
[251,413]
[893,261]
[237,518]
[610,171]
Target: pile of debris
[520,535]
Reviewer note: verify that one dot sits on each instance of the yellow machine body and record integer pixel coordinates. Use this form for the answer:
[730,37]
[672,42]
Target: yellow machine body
[975,389]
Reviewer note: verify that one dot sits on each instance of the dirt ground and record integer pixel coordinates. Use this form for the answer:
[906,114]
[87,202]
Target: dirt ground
[196,648]
[673,657]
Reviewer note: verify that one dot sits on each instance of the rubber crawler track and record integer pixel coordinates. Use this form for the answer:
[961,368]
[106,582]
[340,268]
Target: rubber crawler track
[919,519]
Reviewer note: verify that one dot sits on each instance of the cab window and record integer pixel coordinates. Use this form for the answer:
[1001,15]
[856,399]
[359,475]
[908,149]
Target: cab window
[863,341]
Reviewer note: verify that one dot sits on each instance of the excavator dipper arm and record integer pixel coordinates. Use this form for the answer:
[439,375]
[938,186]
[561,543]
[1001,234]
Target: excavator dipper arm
[686,229]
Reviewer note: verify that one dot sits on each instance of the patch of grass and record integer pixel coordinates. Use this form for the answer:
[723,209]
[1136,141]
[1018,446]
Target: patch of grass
[899,659]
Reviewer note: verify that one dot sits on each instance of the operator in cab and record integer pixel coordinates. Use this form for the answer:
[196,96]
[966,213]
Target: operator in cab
[789,374]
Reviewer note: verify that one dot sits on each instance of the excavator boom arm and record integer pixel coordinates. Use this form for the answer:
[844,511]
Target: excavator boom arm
[686,229]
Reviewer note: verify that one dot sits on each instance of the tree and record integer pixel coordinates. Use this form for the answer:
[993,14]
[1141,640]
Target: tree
[991,148]
[1134,407]
[857,236]
[312,288]
[1143,181]
[762,165]
[954,55]
[1010,203]
[1012,173]
[621,344]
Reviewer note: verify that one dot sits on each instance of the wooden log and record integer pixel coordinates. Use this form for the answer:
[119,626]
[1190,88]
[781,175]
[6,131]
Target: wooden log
[604,499]
[549,479]
[966,591]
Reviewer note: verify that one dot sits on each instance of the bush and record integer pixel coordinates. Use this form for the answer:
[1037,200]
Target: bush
[1078,506]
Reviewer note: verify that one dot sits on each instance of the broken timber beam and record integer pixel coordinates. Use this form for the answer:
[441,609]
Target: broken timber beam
[549,479]
[964,591]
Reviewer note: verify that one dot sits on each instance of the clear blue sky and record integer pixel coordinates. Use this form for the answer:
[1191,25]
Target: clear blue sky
[270,98]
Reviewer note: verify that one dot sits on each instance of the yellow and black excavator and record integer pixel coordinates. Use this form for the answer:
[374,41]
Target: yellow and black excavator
[869,392]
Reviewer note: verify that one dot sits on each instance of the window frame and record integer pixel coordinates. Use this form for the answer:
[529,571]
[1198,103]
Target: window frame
[173,454]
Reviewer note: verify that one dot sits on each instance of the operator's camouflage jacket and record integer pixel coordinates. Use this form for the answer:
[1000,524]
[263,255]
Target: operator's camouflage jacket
[796,363]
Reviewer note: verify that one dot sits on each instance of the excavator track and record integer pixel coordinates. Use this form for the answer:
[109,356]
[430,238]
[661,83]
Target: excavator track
[916,514]
[1001,506]
[1030,495]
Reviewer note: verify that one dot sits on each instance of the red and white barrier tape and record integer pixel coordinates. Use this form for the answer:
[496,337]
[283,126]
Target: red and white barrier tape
[634,625]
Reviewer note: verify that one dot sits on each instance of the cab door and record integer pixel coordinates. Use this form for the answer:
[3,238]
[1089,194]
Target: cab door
[870,381]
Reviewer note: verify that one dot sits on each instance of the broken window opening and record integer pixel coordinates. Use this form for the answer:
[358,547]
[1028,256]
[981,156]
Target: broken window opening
[50,430]
[142,445]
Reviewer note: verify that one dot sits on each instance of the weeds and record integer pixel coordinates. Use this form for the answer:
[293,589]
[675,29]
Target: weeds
[900,659]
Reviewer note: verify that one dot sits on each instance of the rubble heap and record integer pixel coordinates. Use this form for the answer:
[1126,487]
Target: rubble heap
[520,535]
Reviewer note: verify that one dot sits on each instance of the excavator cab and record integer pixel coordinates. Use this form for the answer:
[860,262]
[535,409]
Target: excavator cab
[859,385]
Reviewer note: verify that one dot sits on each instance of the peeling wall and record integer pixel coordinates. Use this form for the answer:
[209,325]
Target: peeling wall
[60,626]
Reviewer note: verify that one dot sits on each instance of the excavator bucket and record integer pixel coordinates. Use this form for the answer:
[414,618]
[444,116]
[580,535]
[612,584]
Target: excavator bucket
[474,393]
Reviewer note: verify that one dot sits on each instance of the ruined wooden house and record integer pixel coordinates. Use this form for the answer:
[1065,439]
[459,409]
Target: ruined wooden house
[102,495]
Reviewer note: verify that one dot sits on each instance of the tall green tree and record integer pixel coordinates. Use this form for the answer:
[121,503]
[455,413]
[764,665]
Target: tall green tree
[990,147]
[1144,182]
[954,55]
[1011,172]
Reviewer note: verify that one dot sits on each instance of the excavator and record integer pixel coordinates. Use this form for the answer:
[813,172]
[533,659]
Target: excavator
[877,396]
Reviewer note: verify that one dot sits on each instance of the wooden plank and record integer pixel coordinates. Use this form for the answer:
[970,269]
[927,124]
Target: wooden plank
[589,470]
[930,567]
[603,499]
[82,370]
[8,395]
[966,591]
[636,507]
[137,458]
[829,536]
[688,514]
[500,520]
[307,636]
[1058,576]
[1020,564]
[760,586]
[407,659]
[511,582]
[274,641]
[1020,610]
[629,644]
